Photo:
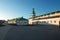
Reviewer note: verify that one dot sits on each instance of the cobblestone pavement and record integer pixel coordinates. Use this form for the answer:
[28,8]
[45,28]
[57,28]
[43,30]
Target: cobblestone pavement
[29,33]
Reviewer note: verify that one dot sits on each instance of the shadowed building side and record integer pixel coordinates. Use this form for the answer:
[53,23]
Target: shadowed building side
[18,21]
[21,21]
[2,22]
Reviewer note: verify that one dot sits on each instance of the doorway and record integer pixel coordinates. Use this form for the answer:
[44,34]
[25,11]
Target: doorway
[59,24]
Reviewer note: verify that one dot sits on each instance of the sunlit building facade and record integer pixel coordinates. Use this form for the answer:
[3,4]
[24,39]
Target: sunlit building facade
[52,18]
[12,21]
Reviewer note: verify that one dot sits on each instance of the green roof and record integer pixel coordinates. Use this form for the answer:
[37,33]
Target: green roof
[49,13]
[21,18]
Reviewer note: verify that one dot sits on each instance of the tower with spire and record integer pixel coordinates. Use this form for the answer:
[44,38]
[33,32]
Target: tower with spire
[33,13]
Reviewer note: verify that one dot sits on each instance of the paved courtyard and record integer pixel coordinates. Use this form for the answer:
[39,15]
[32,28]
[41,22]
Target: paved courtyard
[11,32]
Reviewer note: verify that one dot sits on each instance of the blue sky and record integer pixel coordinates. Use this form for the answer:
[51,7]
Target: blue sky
[16,8]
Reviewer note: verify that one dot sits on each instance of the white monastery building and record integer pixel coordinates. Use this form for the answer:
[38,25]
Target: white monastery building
[18,21]
[52,18]
[21,21]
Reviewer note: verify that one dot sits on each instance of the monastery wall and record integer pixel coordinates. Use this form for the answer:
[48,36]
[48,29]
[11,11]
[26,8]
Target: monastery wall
[53,21]
[45,18]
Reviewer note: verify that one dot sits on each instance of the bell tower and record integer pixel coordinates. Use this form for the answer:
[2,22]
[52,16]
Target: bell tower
[33,13]
[31,19]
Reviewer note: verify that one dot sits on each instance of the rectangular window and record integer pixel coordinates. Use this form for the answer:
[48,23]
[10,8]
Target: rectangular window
[51,21]
[54,21]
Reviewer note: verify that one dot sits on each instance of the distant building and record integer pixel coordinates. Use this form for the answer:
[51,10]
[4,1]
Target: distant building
[1,22]
[12,21]
[18,21]
[52,18]
[21,21]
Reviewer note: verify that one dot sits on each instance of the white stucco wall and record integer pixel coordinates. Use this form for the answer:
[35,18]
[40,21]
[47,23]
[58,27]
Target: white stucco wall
[22,22]
[48,21]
